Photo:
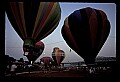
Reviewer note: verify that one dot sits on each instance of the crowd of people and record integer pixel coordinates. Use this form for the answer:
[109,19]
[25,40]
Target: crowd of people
[14,68]
[17,67]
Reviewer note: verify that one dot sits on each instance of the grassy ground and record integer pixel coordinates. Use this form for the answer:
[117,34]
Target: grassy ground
[61,75]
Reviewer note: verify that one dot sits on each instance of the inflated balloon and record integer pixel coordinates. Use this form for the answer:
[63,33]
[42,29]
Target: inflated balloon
[58,55]
[85,31]
[46,60]
[33,20]
[35,52]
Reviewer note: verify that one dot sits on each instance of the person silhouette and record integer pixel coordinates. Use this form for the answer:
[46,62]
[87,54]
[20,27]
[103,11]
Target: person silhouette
[13,69]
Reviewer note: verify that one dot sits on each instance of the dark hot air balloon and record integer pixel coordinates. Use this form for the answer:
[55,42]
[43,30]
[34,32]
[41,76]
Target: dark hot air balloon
[85,31]
[33,20]
[35,52]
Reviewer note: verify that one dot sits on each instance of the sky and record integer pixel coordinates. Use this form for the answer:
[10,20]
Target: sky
[13,43]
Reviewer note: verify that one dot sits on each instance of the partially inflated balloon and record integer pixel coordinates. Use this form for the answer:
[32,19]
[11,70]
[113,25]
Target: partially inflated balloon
[85,31]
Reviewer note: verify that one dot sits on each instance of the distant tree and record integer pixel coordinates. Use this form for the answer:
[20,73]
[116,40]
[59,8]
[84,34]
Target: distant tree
[12,59]
[21,60]
[6,58]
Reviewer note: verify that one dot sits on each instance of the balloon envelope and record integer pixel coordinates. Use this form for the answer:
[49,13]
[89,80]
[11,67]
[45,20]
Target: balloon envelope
[85,31]
[33,19]
[46,60]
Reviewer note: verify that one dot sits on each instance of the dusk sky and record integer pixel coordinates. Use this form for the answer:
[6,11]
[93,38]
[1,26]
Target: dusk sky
[13,43]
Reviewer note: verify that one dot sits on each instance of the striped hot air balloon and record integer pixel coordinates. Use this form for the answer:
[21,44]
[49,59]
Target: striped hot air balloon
[85,31]
[33,20]
[58,55]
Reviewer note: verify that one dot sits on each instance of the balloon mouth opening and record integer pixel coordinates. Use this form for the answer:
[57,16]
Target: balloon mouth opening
[28,46]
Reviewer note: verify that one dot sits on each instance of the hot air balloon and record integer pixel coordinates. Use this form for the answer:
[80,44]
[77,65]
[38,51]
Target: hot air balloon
[35,52]
[85,31]
[33,20]
[46,60]
[58,55]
